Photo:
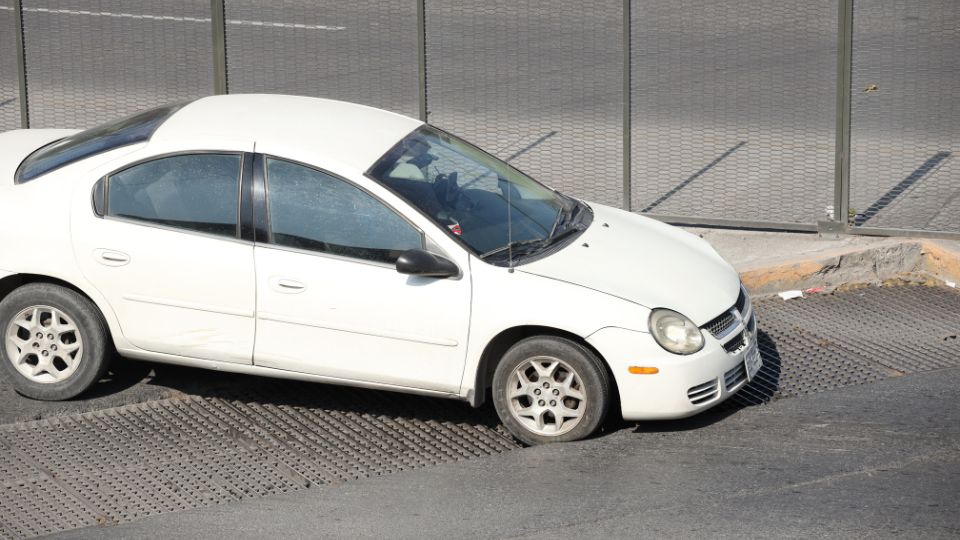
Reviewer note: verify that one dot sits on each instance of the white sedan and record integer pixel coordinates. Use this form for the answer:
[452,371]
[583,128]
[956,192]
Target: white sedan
[324,241]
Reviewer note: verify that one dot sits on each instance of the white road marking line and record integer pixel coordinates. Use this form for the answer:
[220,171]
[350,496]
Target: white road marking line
[235,22]
[285,25]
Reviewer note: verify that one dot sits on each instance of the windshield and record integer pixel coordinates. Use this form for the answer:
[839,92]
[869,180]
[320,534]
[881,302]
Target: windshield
[469,191]
[129,130]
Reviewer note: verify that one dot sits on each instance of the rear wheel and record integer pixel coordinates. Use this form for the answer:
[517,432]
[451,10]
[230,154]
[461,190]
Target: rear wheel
[55,342]
[549,389]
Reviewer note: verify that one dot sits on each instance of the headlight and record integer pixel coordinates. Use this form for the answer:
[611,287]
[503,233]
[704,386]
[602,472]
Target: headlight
[674,332]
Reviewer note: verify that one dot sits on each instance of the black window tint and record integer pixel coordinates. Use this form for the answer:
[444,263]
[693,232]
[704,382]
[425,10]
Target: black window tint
[197,192]
[315,211]
[130,130]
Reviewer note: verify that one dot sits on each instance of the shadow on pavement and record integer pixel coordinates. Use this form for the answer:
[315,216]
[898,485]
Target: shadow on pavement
[318,396]
[122,376]
[887,198]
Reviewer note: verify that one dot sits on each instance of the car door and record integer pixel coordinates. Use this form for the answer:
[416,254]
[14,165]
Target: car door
[166,253]
[329,299]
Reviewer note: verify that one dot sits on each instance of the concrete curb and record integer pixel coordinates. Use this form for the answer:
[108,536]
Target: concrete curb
[911,259]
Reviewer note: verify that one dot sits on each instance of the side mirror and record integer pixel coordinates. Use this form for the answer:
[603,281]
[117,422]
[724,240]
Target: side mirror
[417,262]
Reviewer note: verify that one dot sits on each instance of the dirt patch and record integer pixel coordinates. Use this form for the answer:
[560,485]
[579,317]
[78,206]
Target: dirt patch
[912,262]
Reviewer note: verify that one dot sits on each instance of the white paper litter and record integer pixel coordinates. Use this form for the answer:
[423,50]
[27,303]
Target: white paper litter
[951,284]
[787,295]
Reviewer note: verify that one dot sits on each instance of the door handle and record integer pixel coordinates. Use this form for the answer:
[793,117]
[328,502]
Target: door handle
[109,257]
[287,286]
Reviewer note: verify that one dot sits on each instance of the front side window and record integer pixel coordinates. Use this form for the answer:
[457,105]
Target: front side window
[196,192]
[315,211]
[485,202]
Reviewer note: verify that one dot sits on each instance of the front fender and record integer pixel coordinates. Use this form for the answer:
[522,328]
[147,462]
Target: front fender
[503,300]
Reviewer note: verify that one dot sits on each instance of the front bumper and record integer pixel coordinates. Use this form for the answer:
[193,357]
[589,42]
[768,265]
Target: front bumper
[684,385]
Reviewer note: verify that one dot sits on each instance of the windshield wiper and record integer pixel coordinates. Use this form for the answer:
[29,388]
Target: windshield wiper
[566,216]
[561,218]
[524,247]
[515,245]
[569,231]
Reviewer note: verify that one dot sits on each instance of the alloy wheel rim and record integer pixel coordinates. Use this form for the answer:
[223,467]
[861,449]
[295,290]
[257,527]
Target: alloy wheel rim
[546,396]
[44,344]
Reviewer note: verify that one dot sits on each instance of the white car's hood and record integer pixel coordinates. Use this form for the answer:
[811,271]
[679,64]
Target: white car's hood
[647,262]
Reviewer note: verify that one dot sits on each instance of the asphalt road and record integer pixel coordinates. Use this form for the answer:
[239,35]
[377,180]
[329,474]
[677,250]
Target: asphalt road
[733,102]
[875,461]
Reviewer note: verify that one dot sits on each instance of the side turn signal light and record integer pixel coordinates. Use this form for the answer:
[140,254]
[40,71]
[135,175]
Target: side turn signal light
[640,370]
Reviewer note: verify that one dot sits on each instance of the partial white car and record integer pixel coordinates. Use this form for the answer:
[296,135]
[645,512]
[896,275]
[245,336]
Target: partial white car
[319,240]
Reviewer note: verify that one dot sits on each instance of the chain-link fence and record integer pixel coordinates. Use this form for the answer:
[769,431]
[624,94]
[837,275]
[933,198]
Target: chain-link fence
[905,128]
[9,92]
[540,88]
[87,62]
[734,109]
[830,114]
[354,50]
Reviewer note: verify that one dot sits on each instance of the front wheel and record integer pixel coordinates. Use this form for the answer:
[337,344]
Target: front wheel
[55,342]
[550,389]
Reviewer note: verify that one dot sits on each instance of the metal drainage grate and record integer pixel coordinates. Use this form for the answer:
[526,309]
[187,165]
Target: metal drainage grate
[123,464]
[830,341]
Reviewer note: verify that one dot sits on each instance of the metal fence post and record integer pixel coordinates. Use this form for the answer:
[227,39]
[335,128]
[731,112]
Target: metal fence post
[422,56]
[627,107]
[841,205]
[21,64]
[219,27]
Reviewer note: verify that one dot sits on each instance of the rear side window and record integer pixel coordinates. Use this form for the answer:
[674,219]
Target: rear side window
[318,212]
[130,130]
[197,192]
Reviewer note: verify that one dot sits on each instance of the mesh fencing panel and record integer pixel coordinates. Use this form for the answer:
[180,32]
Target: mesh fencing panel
[905,136]
[733,102]
[93,61]
[538,84]
[733,108]
[9,84]
[363,51]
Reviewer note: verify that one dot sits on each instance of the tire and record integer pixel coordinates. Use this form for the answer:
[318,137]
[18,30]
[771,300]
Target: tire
[519,386]
[44,373]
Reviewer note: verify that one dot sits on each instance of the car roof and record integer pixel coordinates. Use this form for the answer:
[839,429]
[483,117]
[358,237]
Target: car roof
[356,135]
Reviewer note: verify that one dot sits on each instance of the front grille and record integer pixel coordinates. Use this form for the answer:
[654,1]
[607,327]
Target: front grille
[741,304]
[723,323]
[735,376]
[719,326]
[702,393]
[735,344]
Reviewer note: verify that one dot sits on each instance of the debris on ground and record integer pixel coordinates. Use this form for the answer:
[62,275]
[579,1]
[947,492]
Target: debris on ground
[787,295]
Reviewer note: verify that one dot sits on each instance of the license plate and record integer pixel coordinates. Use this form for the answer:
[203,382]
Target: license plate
[752,360]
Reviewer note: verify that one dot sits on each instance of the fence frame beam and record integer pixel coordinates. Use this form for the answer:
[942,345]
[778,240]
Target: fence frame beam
[422,58]
[841,199]
[21,64]
[627,107]
[218,22]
